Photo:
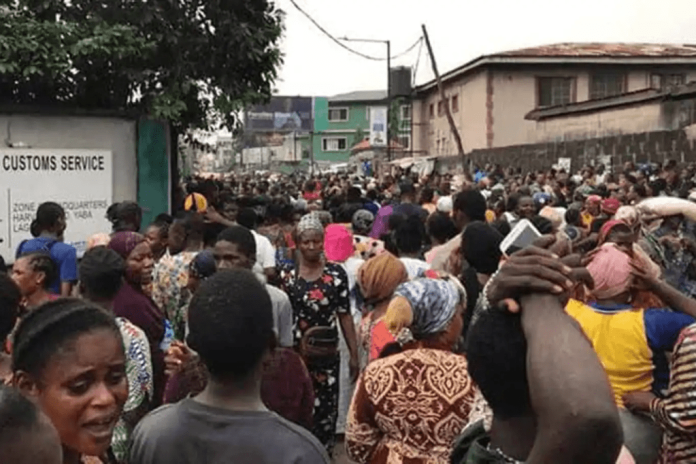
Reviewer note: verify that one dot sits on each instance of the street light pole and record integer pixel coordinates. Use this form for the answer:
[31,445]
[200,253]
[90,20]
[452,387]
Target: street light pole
[388,43]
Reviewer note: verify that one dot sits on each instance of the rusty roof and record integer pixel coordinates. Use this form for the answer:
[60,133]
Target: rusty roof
[604,50]
[581,53]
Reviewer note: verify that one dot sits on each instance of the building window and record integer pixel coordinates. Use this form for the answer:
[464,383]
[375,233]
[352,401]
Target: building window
[405,141]
[432,110]
[607,85]
[455,104]
[338,114]
[405,112]
[552,91]
[333,143]
[440,108]
[666,81]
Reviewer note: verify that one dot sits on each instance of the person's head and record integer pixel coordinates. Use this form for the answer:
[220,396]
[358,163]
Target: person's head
[611,270]
[636,193]
[526,208]
[468,206]
[354,195]
[481,247]
[431,310]
[26,434]
[188,228]
[235,248]
[157,234]
[231,325]
[338,243]
[496,351]
[408,236]
[34,271]
[619,233]
[101,274]
[573,217]
[229,207]
[610,206]
[407,191]
[134,250]
[362,222]
[593,204]
[50,218]
[427,195]
[68,357]
[10,298]
[201,268]
[125,216]
[248,218]
[440,227]
[310,238]
[379,276]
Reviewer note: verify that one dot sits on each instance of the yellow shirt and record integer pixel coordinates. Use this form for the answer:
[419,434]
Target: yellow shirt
[620,341]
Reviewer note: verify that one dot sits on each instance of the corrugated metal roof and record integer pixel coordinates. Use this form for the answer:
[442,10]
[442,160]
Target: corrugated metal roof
[605,50]
[360,96]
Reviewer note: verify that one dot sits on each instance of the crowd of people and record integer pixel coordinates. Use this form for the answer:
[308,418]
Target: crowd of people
[274,319]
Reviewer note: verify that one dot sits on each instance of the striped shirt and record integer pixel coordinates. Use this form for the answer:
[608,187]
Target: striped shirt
[676,413]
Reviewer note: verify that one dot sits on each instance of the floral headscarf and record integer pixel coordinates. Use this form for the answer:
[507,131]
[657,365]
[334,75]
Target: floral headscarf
[309,222]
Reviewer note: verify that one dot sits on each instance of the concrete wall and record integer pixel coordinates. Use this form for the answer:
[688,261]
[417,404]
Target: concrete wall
[63,132]
[613,121]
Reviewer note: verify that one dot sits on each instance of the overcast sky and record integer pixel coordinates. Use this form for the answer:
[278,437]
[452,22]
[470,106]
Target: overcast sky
[459,30]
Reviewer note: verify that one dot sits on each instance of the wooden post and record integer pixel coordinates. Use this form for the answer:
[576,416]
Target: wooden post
[443,97]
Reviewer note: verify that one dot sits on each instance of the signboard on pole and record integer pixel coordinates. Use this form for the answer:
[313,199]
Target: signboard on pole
[79,180]
[378,126]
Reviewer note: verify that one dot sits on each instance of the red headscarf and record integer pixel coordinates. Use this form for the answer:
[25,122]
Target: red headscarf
[125,242]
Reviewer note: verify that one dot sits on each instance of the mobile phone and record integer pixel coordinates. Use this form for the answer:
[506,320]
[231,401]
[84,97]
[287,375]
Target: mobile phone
[521,236]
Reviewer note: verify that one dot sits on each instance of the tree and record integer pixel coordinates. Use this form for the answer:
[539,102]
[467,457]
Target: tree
[196,63]
[359,135]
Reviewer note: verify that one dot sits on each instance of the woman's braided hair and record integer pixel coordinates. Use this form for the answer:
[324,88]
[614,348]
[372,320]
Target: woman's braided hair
[47,329]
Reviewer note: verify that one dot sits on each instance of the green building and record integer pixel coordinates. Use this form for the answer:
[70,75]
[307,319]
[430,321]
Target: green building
[343,121]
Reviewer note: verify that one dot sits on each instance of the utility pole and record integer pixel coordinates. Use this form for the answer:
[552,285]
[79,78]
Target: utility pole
[389,153]
[443,97]
[311,153]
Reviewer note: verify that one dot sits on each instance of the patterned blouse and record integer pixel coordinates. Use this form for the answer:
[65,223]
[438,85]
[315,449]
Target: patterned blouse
[409,408]
[169,292]
[140,384]
[315,304]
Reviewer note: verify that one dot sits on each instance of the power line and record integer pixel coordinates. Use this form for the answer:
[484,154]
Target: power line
[344,46]
[328,34]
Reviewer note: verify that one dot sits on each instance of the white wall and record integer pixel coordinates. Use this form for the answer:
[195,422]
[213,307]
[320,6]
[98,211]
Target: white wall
[115,134]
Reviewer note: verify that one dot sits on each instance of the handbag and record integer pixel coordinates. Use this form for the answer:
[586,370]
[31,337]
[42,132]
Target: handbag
[319,346]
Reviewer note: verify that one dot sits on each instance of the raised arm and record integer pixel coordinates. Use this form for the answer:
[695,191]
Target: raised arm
[578,421]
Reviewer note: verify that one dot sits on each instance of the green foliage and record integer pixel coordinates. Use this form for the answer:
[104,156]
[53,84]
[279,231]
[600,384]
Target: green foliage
[394,118]
[359,135]
[196,63]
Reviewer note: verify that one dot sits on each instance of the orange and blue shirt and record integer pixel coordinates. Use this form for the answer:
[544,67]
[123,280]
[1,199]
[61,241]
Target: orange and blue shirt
[631,343]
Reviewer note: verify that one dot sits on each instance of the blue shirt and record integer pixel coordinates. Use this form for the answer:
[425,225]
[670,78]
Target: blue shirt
[64,255]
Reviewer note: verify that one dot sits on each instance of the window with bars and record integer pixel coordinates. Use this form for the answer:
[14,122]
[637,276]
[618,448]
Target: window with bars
[405,112]
[553,91]
[604,85]
[666,81]
[333,143]
[338,114]
[441,107]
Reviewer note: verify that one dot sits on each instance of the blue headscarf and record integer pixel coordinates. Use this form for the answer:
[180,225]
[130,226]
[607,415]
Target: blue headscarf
[203,265]
[433,303]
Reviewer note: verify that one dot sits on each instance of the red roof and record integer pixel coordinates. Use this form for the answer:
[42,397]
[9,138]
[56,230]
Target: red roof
[605,50]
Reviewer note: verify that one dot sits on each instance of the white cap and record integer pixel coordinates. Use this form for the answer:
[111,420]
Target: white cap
[444,205]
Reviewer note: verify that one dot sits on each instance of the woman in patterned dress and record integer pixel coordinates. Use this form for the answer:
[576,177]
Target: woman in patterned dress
[410,406]
[318,292]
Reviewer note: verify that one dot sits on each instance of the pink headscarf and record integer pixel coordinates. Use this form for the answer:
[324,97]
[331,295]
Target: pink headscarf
[611,270]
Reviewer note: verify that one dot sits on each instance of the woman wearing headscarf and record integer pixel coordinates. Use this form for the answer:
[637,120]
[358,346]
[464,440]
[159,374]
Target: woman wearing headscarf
[319,295]
[411,405]
[631,341]
[133,304]
[377,279]
[592,210]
